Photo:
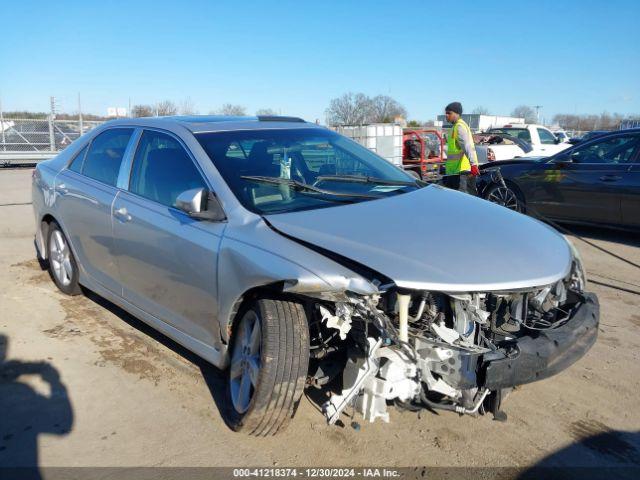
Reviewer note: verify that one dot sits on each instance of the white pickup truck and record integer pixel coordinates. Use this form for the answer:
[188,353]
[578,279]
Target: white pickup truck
[531,140]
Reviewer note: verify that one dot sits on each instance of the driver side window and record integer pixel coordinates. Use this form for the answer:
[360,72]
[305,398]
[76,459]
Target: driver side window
[162,169]
[610,150]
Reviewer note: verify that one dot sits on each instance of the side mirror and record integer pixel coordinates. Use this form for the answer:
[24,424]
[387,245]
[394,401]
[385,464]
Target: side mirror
[200,204]
[558,140]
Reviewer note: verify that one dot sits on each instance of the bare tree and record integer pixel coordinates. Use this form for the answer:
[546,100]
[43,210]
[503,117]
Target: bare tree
[604,121]
[187,107]
[230,109]
[526,112]
[142,111]
[359,109]
[349,109]
[166,107]
[384,109]
[266,111]
[481,110]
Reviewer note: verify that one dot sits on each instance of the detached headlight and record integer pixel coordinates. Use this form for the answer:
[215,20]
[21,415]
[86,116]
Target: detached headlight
[578,276]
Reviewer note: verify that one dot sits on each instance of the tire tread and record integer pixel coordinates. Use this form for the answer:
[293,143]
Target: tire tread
[285,363]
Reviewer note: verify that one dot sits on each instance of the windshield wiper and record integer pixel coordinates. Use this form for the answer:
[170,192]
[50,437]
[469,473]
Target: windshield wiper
[363,179]
[303,187]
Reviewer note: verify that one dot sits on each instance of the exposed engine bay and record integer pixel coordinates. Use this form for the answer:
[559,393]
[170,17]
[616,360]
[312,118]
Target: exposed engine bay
[445,351]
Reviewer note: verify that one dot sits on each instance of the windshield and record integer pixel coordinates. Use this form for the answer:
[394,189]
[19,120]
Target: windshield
[274,171]
[520,133]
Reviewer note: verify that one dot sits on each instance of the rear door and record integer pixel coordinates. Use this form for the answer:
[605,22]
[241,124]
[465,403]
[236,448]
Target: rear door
[589,187]
[166,259]
[85,192]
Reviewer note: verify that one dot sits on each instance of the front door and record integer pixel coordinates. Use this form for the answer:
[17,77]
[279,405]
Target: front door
[167,260]
[631,196]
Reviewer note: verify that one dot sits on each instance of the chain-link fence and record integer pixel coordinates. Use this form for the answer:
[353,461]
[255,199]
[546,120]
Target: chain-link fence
[22,135]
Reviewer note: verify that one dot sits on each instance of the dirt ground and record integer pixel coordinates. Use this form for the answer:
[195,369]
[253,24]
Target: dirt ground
[85,384]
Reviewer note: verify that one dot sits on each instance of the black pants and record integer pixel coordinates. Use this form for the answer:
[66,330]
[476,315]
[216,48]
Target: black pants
[465,182]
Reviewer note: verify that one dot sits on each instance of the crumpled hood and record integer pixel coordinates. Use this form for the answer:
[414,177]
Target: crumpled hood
[437,239]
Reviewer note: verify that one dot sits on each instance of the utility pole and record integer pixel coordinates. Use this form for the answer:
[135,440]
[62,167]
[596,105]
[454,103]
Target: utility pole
[4,140]
[52,116]
[537,107]
[80,123]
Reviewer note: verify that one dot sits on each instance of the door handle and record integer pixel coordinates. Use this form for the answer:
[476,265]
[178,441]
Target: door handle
[610,178]
[122,214]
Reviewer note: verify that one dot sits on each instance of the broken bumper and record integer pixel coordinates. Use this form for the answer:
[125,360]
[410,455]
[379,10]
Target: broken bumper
[548,353]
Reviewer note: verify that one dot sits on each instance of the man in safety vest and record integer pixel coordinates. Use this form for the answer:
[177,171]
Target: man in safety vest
[461,167]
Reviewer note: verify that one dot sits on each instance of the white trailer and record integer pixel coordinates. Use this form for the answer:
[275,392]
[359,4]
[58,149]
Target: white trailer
[385,139]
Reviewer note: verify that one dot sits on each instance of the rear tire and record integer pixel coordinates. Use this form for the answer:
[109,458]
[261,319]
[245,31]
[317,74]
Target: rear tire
[272,373]
[62,265]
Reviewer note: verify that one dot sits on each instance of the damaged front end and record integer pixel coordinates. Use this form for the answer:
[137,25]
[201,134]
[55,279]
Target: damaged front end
[446,350]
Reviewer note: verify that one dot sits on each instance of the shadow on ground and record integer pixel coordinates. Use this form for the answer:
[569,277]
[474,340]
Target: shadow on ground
[26,412]
[597,453]
[214,378]
[609,235]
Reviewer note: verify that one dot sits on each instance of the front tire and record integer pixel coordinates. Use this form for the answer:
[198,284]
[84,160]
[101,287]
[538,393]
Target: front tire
[507,197]
[63,267]
[269,363]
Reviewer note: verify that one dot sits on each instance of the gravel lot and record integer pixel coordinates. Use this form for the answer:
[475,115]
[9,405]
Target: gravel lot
[85,384]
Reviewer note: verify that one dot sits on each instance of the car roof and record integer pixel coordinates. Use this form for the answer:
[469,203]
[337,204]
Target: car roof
[602,133]
[217,123]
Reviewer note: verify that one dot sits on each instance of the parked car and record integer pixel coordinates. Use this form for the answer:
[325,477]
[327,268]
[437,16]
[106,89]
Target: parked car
[542,141]
[588,136]
[491,145]
[595,182]
[562,136]
[294,257]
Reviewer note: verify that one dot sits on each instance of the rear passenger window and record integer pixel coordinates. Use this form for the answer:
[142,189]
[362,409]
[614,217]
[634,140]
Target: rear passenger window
[76,163]
[162,169]
[105,154]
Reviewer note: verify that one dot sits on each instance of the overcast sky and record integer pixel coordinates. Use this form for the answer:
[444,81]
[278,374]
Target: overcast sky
[294,56]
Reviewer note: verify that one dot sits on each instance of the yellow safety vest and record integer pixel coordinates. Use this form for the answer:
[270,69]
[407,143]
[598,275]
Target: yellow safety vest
[457,161]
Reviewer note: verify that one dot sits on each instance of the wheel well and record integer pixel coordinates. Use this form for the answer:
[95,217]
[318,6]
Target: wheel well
[44,232]
[241,304]
[271,290]
[48,218]
[513,186]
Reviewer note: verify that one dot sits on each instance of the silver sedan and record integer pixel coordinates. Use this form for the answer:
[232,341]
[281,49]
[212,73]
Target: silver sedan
[296,258]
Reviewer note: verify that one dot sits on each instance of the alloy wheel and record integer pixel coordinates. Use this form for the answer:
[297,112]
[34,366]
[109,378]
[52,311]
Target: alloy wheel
[505,197]
[245,361]
[60,258]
